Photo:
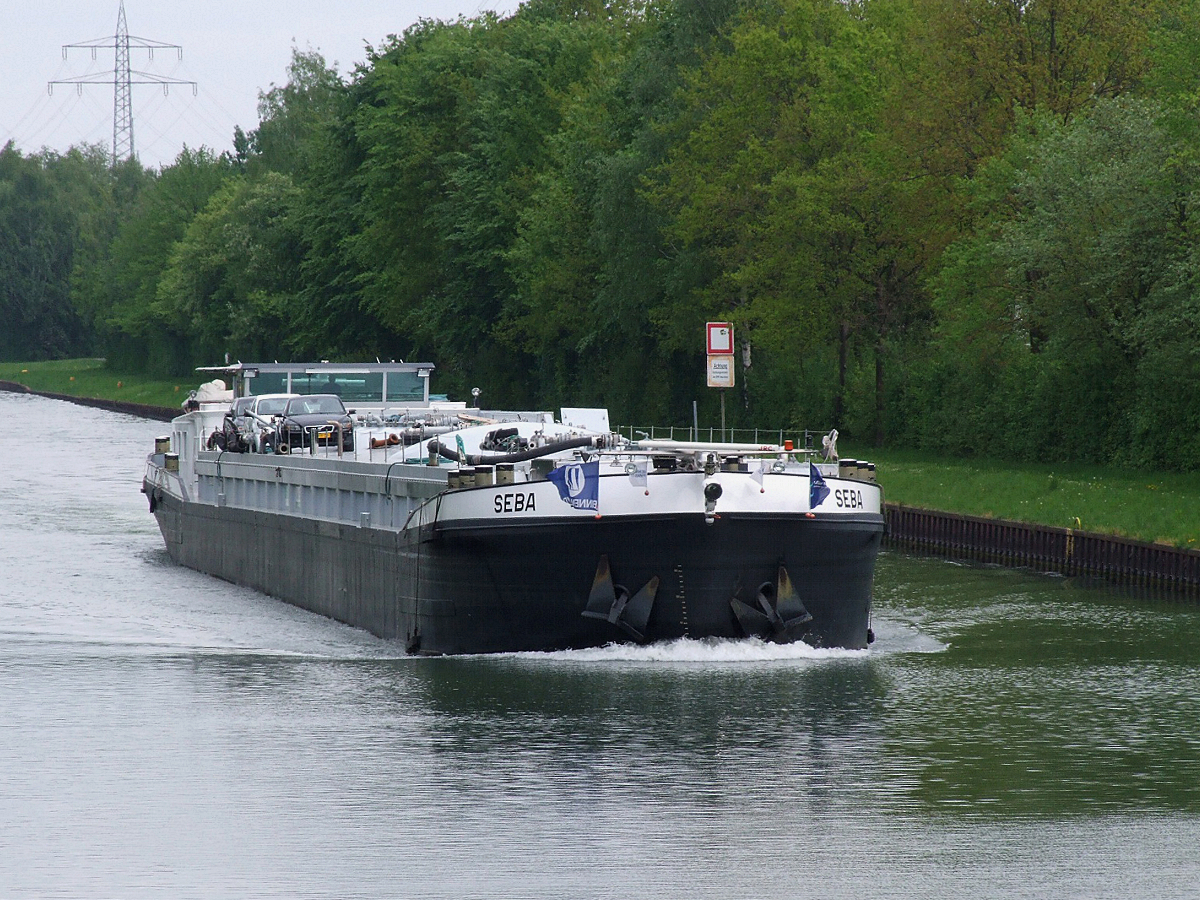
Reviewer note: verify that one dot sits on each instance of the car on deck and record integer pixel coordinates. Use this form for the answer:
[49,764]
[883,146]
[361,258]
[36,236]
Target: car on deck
[314,420]
[255,419]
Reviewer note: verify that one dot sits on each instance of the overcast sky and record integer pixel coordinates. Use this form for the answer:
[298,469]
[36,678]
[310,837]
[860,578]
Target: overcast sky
[232,48]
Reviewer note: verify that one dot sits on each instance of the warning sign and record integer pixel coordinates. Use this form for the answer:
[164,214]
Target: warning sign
[720,371]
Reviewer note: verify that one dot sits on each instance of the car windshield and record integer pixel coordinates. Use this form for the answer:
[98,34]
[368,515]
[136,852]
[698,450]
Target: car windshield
[272,406]
[308,406]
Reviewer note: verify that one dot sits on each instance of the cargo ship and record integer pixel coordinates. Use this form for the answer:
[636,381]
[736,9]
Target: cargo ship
[350,491]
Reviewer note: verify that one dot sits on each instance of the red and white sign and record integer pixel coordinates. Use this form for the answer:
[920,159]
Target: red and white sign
[720,339]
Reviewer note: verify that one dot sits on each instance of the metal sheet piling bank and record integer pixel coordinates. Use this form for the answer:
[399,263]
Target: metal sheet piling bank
[1044,548]
[348,491]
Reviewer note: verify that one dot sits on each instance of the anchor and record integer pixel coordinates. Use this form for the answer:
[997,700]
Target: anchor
[613,604]
[781,616]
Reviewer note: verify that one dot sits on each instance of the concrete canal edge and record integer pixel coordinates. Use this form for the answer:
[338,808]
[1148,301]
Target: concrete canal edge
[145,411]
[1043,548]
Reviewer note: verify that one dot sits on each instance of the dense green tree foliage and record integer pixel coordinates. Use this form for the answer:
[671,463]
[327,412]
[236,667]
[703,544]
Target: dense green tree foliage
[56,212]
[966,225]
[1076,298]
[138,323]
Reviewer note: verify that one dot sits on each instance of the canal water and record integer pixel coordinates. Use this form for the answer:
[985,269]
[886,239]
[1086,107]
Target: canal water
[165,734]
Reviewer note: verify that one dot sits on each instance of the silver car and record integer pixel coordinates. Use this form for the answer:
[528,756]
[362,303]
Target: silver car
[255,419]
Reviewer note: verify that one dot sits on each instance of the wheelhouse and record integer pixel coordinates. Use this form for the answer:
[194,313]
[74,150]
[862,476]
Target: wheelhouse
[360,384]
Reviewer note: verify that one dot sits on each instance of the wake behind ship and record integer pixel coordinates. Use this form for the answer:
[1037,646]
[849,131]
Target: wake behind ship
[346,490]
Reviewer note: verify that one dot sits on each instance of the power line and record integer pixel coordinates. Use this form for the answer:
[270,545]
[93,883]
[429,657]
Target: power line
[122,77]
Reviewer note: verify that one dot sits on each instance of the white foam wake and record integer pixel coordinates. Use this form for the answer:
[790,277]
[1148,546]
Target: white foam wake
[709,651]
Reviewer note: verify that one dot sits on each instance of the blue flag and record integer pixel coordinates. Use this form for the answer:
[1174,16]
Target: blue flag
[818,490]
[578,484]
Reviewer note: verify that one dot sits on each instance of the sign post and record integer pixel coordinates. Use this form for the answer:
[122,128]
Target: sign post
[719,346]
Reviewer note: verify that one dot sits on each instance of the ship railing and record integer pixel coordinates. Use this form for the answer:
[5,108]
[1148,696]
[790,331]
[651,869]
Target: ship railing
[804,441]
[159,477]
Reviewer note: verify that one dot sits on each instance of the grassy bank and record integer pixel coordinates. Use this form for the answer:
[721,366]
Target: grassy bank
[92,378]
[1146,505]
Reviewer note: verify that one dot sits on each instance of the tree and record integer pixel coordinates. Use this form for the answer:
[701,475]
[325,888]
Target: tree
[974,63]
[1081,286]
[231,279]
[139,329]
[456,124]
[292,116]
[783,181]
[50,212]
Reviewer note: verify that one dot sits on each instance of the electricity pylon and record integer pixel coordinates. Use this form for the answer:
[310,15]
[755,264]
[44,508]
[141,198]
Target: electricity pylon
[122,79]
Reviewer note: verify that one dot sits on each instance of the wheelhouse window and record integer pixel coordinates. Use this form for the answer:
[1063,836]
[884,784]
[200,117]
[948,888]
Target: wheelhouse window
[405,386]
[363,387]
[375,384]
[267,383]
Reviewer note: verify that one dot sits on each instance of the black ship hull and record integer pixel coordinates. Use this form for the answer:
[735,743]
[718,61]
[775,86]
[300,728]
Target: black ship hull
[549,584]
